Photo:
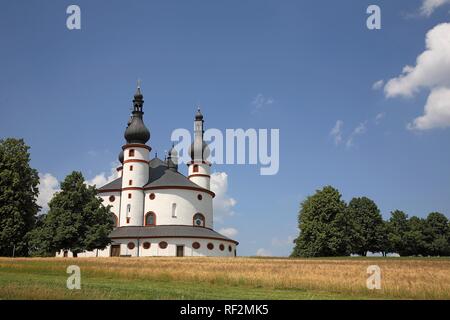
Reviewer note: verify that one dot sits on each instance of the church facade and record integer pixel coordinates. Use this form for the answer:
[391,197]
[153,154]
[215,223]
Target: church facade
[158,211]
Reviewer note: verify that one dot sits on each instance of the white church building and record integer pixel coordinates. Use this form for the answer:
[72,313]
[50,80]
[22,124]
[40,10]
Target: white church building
[158,211]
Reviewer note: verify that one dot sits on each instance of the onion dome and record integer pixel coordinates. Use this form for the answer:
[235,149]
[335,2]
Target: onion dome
[172,159]
[121,157]
[198,115]
[137,132]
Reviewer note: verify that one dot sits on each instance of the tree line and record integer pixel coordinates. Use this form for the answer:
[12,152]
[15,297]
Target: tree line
[76,220]
[330,227]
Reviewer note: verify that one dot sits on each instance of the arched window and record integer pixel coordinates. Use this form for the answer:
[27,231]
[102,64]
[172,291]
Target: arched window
[150,219]
[114,220]
[174,210]
[131,153]
[199,220]
[195,168]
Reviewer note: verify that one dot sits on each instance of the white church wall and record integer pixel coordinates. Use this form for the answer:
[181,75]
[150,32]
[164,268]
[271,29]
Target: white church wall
[187,204]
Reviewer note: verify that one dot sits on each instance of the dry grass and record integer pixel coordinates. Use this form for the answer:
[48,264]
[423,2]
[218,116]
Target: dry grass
[401,278]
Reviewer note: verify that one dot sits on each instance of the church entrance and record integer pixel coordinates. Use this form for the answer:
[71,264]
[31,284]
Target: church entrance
[115,250]
[180,251]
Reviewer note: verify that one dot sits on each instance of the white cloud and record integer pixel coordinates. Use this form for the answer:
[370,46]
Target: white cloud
[437,111]
[223,203]
[359,130]
[336,132]
[428,6]
[229,232]
[104,178]
[378,85]
[380,116]
[261,252]
[48,185]
[432,71]
[261,101]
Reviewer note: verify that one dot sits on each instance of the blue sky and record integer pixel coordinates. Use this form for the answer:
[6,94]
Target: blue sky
[68,94]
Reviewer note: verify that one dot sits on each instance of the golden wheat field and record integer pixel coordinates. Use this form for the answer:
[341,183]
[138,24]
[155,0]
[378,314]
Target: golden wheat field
[224,278]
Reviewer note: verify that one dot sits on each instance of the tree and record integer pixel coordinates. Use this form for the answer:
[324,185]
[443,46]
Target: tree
[397,227]
[320,223]
[369,226]
[77,220]
[415,243]
[437,234]
[18,193]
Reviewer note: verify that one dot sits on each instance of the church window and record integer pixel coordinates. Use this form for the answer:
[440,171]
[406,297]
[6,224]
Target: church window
[174,210]
[221,247]
[131,168]
[112,198]
[195,168]
[130,245]
[146,245]
[129,196]
[152,196]
[199,220]
[131,153]
[210,246]
[163,244]
[199,197]
[114,220]
[196,245]
[150,219]
[130,182]
[229,248]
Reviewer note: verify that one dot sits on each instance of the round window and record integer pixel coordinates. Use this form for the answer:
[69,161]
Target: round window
[152,196]
[199,197]
[221,247]
[163,244]
[112,198]
[130,245]
[146,245]
[210,246]
[196,245]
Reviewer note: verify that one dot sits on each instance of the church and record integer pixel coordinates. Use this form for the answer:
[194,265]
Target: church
[158,211]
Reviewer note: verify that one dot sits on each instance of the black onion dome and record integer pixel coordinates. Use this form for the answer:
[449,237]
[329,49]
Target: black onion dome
[121,157]
[198,115]
[137,132]
[204,153]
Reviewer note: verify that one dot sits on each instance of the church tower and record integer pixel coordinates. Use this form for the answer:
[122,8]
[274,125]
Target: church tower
[135,165]
[199,167]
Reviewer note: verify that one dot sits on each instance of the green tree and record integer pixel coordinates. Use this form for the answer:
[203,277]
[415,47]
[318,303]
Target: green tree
[397,227]
[18,193]
[76,221]
[436,234]
[320,223]
[369,226]
[414,238]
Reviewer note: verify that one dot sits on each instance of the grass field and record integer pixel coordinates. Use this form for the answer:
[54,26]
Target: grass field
[224,278]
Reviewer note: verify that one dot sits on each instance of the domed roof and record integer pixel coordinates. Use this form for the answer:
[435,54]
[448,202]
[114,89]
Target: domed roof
[121,157]
[136,131]
[195,151]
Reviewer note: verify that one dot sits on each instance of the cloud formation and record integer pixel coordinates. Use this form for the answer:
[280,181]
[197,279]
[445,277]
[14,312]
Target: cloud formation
[48,185]
[429,6]
[260,101]
[336,132]
[104,178]
[378,85]
[261,252]
[223,203]
[431,72]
